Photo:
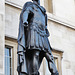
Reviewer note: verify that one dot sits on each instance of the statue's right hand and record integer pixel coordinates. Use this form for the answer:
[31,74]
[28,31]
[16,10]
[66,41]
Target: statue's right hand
[25,24]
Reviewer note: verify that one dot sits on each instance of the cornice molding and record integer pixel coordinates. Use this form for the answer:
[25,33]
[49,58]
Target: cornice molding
[13,4]
[60,20]
[10,36]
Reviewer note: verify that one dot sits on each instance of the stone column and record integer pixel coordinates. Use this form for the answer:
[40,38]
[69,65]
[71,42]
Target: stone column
[2,26]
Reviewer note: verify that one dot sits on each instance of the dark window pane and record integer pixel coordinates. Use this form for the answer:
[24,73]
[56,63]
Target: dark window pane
[8,61]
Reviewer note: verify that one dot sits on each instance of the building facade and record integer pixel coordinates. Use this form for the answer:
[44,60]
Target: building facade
[61,25]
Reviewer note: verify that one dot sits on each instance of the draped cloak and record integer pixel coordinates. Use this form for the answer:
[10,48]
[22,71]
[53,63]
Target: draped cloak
[22,65]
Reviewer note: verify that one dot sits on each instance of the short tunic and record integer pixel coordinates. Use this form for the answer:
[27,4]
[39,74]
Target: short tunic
[37,38]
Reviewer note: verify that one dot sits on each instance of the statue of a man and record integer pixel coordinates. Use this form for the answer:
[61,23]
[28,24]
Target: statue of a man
[33,43]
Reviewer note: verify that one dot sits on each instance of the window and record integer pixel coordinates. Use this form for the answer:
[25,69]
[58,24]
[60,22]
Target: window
[56,62]
[8,61]
[10,56]
[57,59]
[48,6]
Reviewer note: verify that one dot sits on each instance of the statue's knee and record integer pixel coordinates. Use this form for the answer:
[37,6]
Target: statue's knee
[49,57]
[36,54]
[36,60]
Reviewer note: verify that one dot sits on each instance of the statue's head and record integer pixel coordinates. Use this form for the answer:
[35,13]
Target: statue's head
[38,1]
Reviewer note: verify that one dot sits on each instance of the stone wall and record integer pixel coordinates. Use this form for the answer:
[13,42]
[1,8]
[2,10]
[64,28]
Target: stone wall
[2,26]
[65,9]
[12,21]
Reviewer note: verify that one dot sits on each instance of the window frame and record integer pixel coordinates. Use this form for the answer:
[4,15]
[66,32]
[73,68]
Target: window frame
[10,43]
[58,54]
[49,8]
[10,56]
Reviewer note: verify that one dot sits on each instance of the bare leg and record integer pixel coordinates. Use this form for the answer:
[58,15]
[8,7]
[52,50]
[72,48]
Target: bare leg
[35,63]
[51,64]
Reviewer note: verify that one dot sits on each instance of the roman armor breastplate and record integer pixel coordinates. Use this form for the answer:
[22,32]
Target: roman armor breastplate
[38,19]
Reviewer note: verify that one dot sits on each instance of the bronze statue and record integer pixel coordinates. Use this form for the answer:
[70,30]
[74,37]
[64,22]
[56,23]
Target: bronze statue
[33,43]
